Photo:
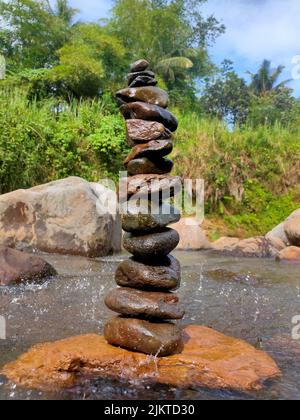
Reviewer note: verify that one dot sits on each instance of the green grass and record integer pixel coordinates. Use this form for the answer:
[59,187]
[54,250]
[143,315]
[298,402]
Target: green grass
[251,175]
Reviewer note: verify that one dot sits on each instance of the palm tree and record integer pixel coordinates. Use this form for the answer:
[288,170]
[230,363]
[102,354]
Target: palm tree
[265,80]
[170,67]
[63,11]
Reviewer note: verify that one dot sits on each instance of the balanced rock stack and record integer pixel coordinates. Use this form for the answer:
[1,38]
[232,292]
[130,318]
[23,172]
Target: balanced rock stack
[144,301]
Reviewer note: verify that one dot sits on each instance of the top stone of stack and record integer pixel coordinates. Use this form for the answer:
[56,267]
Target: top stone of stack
[140,65]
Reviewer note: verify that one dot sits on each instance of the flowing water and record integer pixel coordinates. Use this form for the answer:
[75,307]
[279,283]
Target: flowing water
[255,300]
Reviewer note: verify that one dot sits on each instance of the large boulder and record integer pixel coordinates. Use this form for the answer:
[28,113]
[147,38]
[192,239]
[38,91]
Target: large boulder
[209,359]
[192,236]
[292,228]
[257,247]
[18,267]
[70,216]
[290,254]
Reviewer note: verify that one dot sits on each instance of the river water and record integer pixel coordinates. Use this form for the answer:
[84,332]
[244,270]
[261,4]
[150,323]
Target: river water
[251,299]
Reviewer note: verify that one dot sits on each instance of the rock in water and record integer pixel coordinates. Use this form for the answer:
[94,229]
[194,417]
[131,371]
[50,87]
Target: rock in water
[69,216]
[292,230]
[140,186]
[19,267]
[140,65]
[141,304]
[145,216]
[149,94]
[139,131]
[157,339]
[148,112]
[146,166]
[161,274]
[152,245]
[209,360]
[152,150]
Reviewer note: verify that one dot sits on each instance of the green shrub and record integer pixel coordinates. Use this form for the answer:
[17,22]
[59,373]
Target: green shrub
[44,141]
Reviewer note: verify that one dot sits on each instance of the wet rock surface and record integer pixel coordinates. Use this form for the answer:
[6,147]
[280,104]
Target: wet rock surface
[149,112]
[144,304]
[139,131]
[145,218]
[142,216]
[162,274]
[158,244]
[152,150]
[146,166]
[149,94]
[208,359]
[157,339]
[19,267]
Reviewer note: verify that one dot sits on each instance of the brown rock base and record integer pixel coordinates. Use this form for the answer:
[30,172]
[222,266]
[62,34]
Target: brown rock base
[209,359]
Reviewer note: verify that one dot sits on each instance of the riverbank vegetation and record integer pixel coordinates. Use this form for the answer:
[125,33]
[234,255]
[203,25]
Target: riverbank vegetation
[58,116]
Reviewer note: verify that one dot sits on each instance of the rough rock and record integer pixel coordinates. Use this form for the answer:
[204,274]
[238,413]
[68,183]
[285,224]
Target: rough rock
[70,216]
[278,235]
[225,244]
[144,304]
[148,112]
[142,81]
[144,216]
[140,65]
[192,237]
[290,254]
[149,94]
[152,245]
[257,247]
[292,230]
[139,131]
[209,359]
[161,274]
[133,76]
[144,165]
[18,267]
[140,186]
[152,150]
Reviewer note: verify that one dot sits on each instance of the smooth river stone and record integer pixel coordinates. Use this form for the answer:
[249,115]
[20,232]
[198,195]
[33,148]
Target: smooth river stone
[157,339]
[148,112]
[152,245]
[140,131]
[146,166]
[150,305]
[144,185]
[142,81]
[140,65]
[152,150]
[163,274]
[132,76]
[144,216]
[149,94]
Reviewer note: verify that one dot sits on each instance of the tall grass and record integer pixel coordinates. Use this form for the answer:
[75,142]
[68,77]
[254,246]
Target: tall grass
[44,141]
[246,171]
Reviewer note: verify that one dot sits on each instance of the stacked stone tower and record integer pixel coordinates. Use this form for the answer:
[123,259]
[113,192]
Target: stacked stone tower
[145,300]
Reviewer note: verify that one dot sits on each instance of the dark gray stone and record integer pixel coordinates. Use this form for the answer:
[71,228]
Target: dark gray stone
[157,339]
[161,274]
[152,245]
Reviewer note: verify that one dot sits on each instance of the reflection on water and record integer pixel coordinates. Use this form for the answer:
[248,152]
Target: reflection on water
[250,299]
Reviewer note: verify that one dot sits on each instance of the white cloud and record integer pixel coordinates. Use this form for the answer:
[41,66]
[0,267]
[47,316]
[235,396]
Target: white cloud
[258,29]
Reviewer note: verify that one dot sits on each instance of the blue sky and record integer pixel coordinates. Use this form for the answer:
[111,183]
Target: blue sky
[256,29]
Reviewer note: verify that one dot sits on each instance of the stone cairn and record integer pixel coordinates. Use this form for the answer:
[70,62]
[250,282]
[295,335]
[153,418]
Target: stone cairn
[144,301]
